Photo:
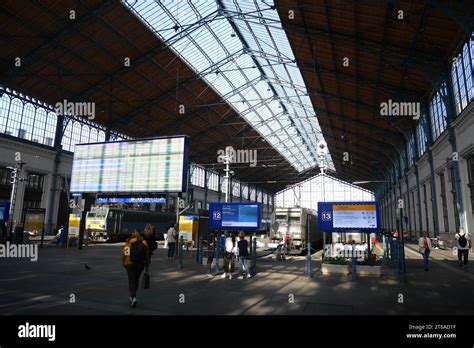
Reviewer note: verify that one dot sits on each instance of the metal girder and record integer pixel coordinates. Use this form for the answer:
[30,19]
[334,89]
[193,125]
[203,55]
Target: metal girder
[259,67]
[313,54]
[464,6]
[364,43]
[362,81]
[46,43]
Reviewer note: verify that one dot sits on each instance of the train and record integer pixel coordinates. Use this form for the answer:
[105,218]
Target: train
[296,223]
[112,225]
[108,224]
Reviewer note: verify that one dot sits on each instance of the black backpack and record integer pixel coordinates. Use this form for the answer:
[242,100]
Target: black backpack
[462,241]
[138,252]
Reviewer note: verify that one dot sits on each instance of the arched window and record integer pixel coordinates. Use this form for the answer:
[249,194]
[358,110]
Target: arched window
[5,102]
[14,117]
[27,124]
[50,130]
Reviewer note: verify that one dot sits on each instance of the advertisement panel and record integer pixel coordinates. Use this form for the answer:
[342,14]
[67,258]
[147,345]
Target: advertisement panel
[74,223]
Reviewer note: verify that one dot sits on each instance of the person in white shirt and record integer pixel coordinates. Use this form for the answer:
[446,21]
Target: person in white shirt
[424,244]
[463,243]
[230,255]
[171,240]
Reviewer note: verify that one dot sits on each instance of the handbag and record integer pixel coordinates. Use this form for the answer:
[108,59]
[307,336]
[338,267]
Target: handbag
[146,280]
[421,250]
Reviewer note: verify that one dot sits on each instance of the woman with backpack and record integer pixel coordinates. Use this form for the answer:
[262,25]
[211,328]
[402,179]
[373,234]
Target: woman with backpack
[135,258]
[463,245]
[424,244]
[229,257]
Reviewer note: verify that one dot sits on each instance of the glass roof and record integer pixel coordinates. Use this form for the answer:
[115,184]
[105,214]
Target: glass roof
[240,49]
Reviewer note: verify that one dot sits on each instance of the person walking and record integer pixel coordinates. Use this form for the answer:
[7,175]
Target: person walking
[211,250]
[463,244]
[171,239]
[229,258]
[243,250]
[150,238]
[135,258]
[424,244]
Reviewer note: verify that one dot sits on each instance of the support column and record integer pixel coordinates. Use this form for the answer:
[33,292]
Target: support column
[408,207]
[417,177]
[448,100]
[219,191]
[60,126]
[107,134]
[434,199]
[206,187]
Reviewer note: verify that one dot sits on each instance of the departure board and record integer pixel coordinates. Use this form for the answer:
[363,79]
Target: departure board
[145,165]
[348,216]
[354,216]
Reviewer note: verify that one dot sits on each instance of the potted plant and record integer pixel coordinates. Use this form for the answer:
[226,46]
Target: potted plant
[335,265]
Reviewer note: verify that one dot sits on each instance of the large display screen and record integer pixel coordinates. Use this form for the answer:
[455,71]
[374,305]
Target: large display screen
[145,165]
[340,216]
[235,216]
[354,216]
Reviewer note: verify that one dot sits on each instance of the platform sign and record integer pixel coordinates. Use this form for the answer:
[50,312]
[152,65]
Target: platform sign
[235,216]
[152,165]
[348,216]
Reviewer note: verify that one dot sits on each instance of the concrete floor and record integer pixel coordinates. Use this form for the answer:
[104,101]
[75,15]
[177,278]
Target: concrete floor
[45,287]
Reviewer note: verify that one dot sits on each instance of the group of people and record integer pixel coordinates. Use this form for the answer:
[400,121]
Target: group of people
[233,250]
[463,244]
[137,251]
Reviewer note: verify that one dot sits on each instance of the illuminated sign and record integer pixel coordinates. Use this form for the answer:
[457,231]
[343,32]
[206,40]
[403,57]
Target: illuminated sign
[235,216]
[340,216]
[144,165]
[102,200]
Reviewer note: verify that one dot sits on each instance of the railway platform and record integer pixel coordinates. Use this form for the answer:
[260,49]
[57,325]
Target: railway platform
[279,287]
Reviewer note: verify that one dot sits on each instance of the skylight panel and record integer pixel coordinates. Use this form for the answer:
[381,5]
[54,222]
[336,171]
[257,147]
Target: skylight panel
[245,56]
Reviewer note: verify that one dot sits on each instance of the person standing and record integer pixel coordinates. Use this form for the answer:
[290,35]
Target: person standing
[135,258]
[171,239]
[211,249]
[243,249]
[463,244]
[229,258]
[150,238]
[424,244]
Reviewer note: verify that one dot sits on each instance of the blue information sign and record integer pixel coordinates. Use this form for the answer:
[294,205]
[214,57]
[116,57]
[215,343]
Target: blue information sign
[158,200]
[349,216]
[235,216]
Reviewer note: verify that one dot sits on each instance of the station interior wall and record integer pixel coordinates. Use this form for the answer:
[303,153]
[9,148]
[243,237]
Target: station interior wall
[442,160]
